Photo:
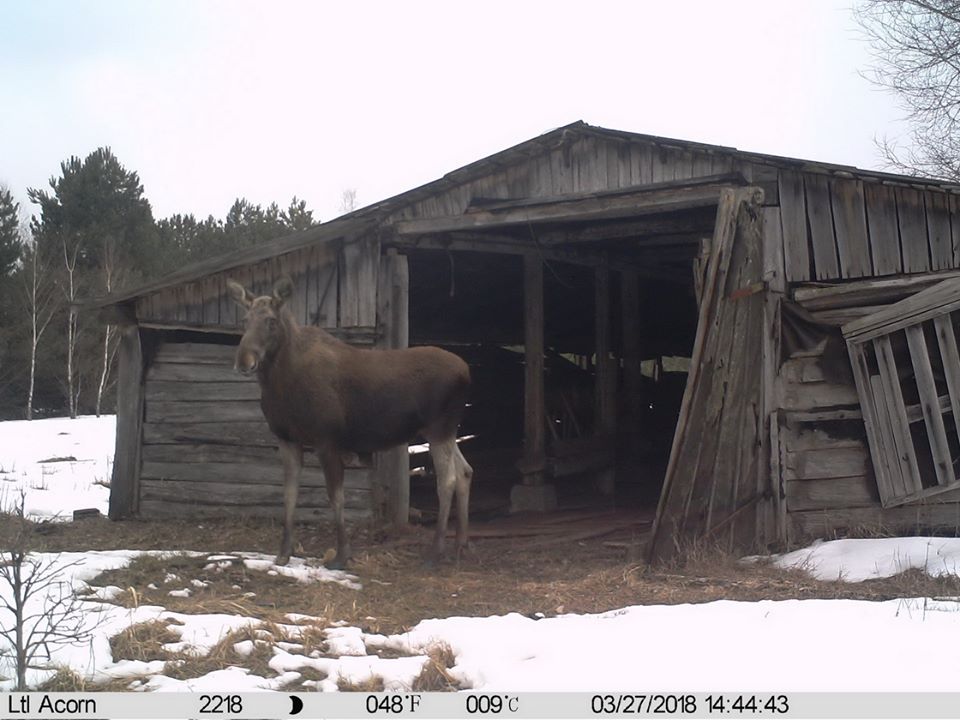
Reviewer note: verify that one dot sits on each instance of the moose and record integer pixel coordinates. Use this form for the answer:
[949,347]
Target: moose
[319,392]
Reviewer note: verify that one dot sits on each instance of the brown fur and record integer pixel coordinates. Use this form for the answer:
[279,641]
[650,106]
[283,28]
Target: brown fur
[319,392]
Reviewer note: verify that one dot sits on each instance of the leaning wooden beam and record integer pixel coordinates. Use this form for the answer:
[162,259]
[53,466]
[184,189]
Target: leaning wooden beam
[641,202]
[817,296]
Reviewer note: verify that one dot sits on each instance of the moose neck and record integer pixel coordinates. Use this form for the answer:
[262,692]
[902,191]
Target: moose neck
[281,353]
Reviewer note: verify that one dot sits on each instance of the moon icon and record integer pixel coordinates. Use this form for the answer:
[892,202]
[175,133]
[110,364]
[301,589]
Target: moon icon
[296,705]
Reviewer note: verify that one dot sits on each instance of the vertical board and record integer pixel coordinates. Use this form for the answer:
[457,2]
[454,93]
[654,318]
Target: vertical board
[125,482]
[947,340]
[793,220]
[938,230]
[393,466]
[893,395]
[913,230]
[954,203]
[881,207]
[358,283]
[930,405]
[850,225]
[820,220]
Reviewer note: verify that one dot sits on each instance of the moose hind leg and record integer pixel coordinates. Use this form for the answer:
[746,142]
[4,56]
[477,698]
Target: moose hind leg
[464,478]
[443,453]
[291,455]
[333,476]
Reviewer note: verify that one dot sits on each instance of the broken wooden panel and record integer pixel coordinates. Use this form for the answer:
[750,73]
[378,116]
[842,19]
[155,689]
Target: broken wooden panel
[850,225]
[912,383]
[709,489]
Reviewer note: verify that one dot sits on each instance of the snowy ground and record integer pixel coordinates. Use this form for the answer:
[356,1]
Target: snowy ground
[818,645]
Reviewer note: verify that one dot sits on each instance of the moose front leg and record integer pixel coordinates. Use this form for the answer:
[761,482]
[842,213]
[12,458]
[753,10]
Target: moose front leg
[333,477]
[291,454]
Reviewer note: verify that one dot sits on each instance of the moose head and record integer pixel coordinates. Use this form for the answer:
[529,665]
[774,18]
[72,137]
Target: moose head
[267,323]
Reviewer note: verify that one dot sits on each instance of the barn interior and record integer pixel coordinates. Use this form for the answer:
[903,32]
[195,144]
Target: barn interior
[637,277]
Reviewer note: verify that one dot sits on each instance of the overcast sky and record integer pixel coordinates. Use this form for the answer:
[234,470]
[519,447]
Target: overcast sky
[211,100]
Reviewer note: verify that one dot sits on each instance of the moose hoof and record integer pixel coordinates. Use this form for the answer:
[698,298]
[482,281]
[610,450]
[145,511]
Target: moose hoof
[282,559]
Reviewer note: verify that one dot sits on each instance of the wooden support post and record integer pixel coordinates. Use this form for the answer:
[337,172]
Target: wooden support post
[630,312]
[534,410]
[125,483]
[393,315]
[605,383]
[533,494]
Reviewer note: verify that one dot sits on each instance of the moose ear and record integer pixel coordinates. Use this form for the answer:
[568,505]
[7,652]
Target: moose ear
[239,293]
[282,291]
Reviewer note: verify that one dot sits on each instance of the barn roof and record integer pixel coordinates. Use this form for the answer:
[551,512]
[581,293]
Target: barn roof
[360,221]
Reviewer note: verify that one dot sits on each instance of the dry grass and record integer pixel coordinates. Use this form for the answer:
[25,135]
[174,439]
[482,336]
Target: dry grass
[66,680]
[435,676]
[184,666]
[372,684]
[143,641]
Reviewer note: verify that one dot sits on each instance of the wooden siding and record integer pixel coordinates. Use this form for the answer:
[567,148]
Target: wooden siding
[208,451]
[334,287]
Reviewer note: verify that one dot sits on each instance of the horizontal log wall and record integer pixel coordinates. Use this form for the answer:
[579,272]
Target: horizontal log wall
[207,451]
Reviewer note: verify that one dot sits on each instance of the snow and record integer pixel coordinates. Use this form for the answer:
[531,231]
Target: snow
[716,646]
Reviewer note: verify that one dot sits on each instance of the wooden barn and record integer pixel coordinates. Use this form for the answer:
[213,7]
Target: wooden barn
[752,350]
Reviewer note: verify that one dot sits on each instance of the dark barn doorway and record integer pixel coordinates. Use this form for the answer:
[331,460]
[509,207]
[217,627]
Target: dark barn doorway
[473,303]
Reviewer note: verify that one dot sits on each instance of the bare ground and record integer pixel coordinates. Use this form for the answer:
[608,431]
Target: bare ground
[515,566]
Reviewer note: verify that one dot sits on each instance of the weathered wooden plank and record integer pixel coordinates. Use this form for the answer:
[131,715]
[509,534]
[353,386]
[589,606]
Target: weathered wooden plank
[195,372]
[172,508]
[232,433]
[814,395]
[124,484]
[605,382]
[822,463]
[820,221]
[949,353]
[327,310]
[930,404]
[201,453]
[248,473]
[938,300]
[912,519]
[850,225]
[822,436]
[914,245]
[641,172]
[190,392]
[938,230]
[881,208]
[892,394]
[196,353]
[227,493]
[954,203]
[214,412]
[859,293]
[876,422]
[835,493]
[358,283]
